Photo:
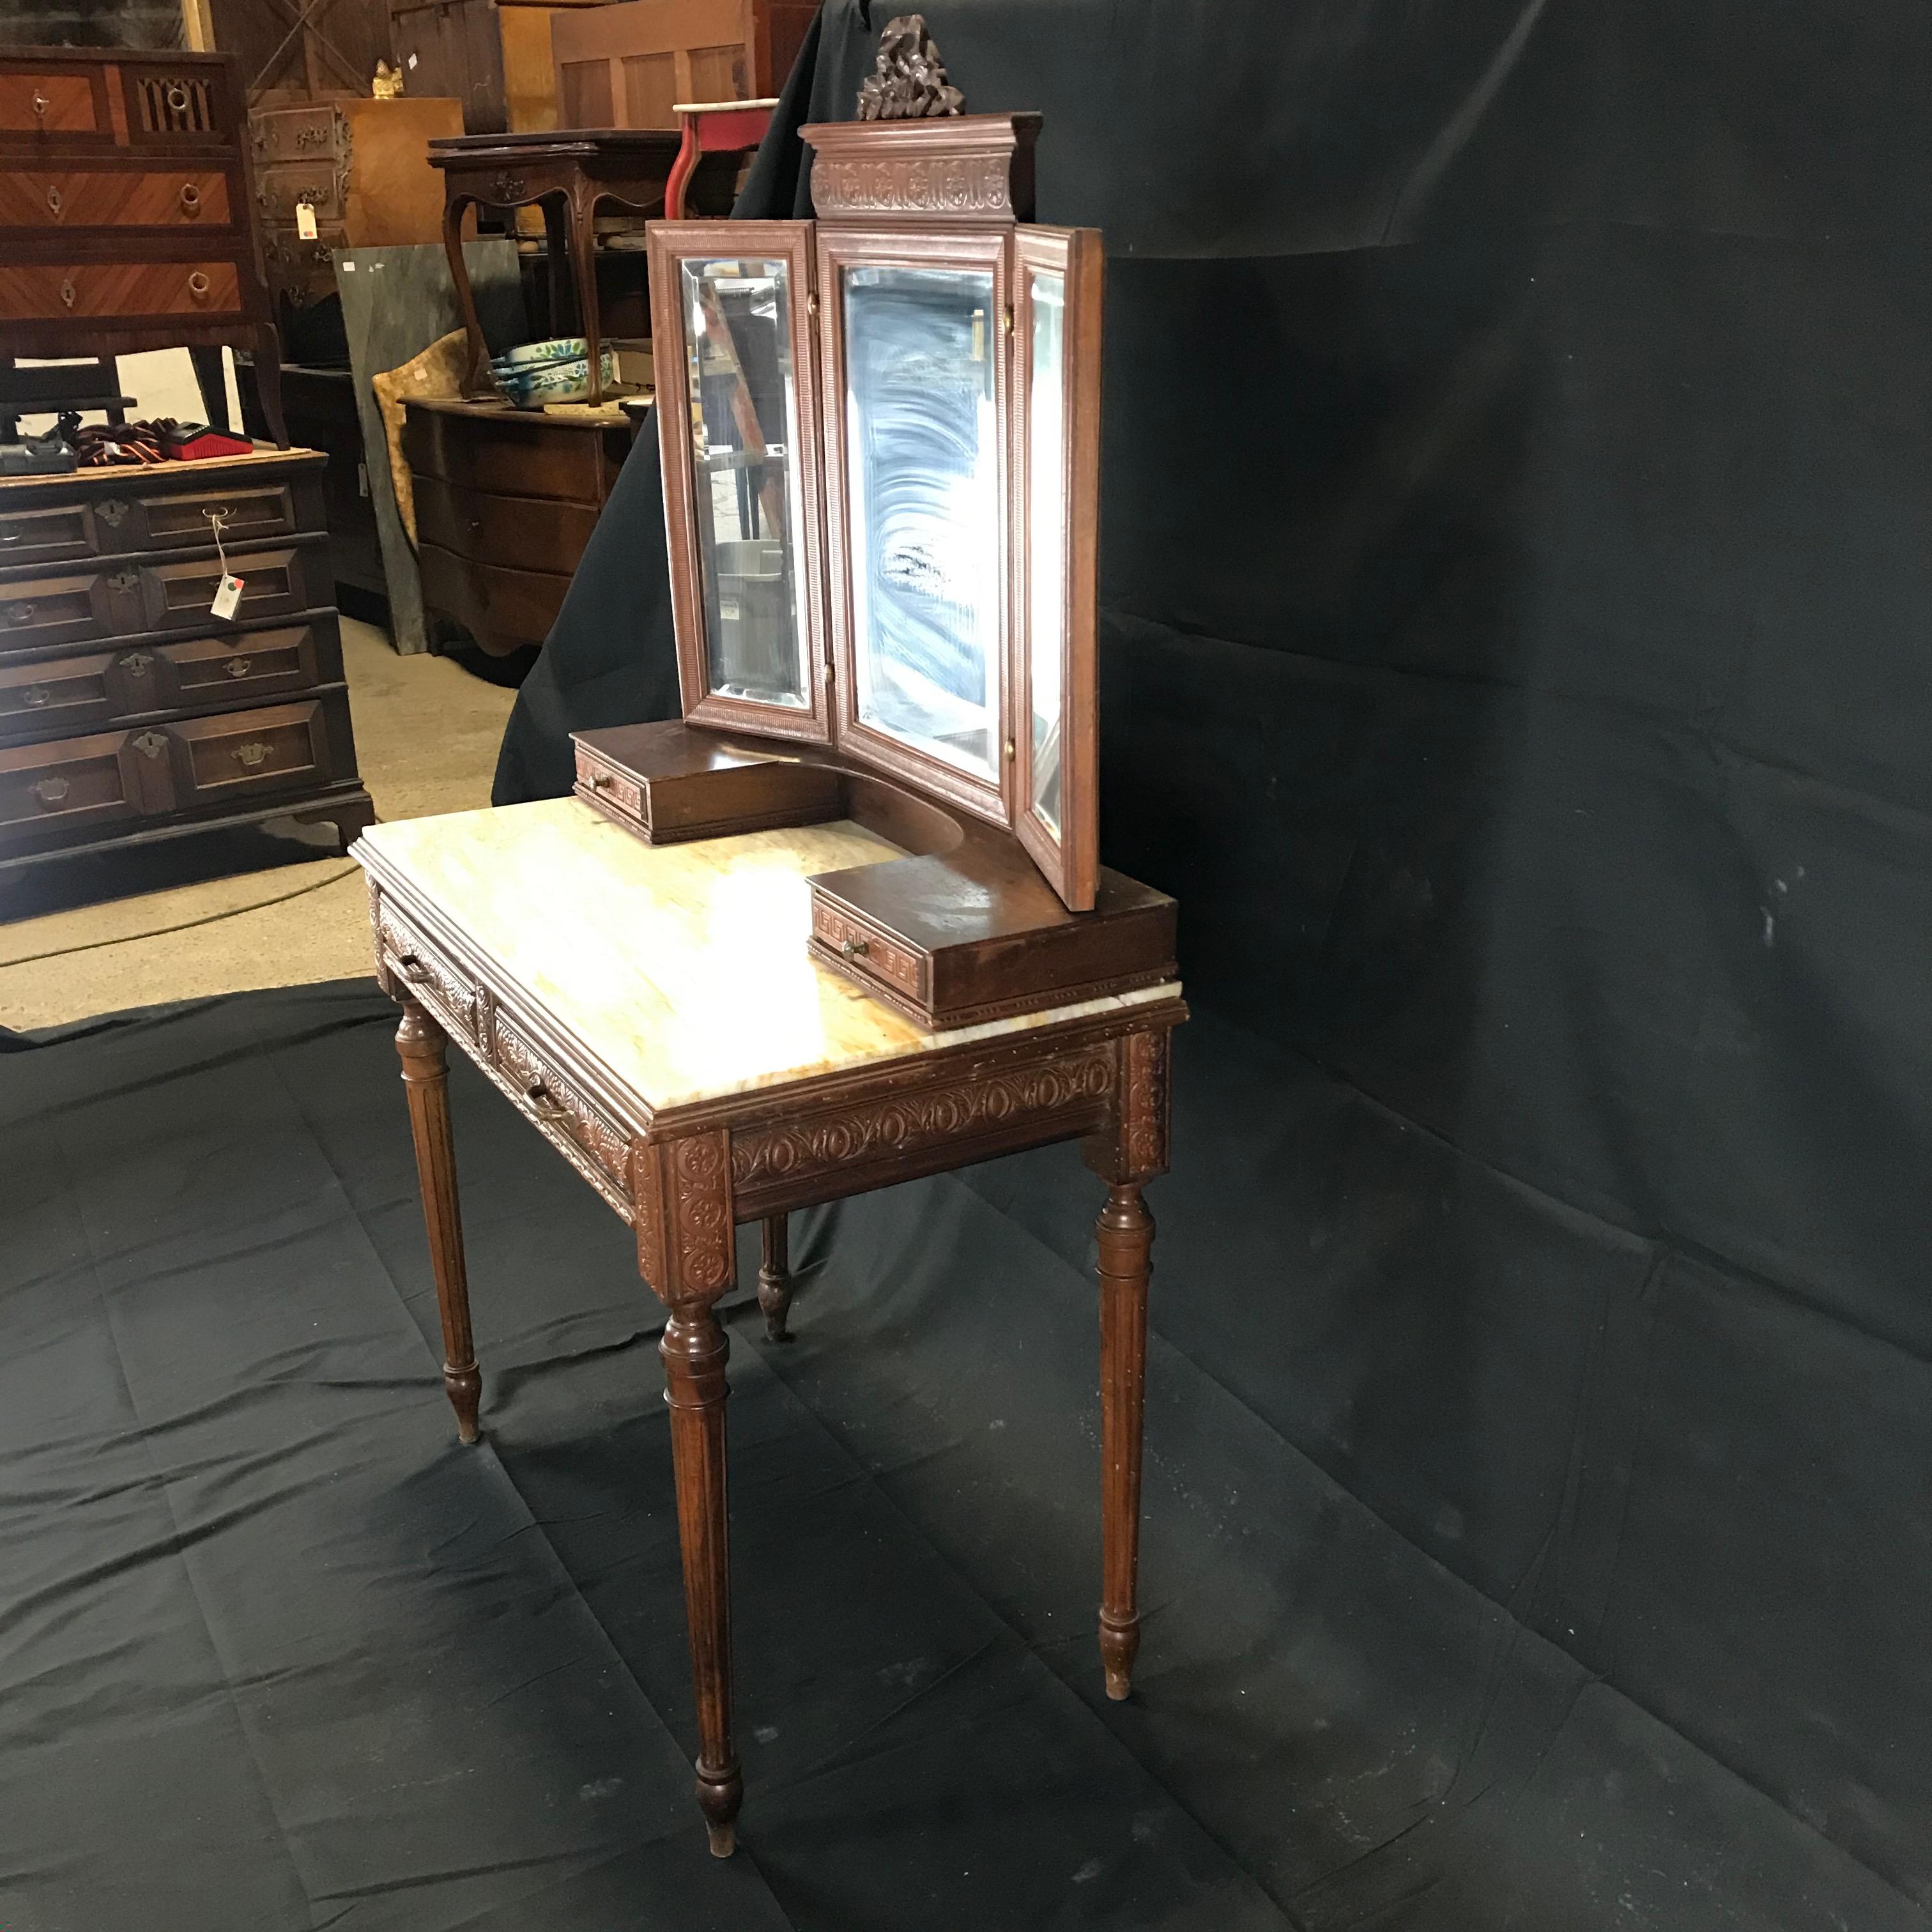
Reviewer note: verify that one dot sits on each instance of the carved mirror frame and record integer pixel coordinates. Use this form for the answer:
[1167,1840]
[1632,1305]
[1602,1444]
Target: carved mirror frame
[948,192]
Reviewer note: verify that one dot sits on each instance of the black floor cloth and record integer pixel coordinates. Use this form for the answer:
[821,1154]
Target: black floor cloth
[275,1652]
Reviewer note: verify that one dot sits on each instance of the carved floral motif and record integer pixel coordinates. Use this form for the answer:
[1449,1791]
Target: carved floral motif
[962,184]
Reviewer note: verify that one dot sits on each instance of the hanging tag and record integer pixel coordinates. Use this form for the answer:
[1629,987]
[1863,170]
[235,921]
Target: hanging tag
[228,598]
[305,220]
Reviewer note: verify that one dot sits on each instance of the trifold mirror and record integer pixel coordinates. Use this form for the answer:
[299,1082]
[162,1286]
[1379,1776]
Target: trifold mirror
[880,438]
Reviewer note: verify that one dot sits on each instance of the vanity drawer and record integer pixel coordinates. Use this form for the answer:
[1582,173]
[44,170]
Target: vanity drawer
[62,109]
[236,755]
[48,790]
[55,199]
[557,1103]
[139,518]
[50,533]
[274,583]
[66,694]
[37,613]
[119,291]
[443,986]
[864,951]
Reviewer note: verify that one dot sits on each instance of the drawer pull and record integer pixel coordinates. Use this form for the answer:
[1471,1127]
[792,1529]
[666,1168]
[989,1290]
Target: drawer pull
[150,744]
[35,696]
[413,969]
[125,581]
[852,949]
[19,614]
[253,753]
[190,199]
[110,510]
[138,663]
[599,781]
[54,201]
[67,291]
[51,791]
[543,1105]
[197,286]
[236,667]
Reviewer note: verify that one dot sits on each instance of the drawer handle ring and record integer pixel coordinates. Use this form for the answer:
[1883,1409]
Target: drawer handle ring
[53,201]
[67,291]
[253,753]
[138,663]
[177,98]
[852,949]
[237,667]
[110,510]
[35,696]
[190,199]
[197,286]
[51,791]
[544,1107]
[19,614]
[413,969]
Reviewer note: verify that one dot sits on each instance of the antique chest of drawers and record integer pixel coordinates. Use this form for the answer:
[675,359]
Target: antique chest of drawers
[506,501]
[128,711]
[361,168]
[125,216]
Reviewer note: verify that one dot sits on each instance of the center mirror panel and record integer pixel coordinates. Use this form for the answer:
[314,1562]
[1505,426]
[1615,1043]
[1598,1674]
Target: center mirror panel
[915,371]
[738,432]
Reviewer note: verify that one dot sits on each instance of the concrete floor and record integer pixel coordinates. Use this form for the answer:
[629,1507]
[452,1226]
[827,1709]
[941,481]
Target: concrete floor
[182,919]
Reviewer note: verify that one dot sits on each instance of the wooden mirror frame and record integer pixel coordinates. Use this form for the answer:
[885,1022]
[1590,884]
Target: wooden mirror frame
[950,192]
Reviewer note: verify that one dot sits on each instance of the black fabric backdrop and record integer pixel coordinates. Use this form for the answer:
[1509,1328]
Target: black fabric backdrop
[1518,481]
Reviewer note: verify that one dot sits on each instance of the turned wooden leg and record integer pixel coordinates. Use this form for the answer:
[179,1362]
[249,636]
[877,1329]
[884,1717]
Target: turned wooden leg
[1125,1231]
[420,1041]
[774,1278]
[695,1349]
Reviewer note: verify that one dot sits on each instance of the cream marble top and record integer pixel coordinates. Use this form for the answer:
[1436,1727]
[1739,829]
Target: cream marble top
[683,968]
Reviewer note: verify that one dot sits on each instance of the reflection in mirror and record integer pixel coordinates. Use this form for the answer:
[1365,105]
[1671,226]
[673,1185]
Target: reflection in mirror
[1046,558]
[744,437]
[923,506]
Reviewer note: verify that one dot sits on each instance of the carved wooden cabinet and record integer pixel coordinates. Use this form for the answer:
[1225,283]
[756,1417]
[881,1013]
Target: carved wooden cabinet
[127,210]
[127,711]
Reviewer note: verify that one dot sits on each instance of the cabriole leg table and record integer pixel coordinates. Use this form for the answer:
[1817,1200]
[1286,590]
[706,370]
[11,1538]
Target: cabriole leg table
[652,1012]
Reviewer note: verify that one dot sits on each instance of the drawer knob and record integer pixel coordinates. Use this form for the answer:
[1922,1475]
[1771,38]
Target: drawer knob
[110,510]
[53,201]
[542,1105]
[150,744]
[253,753]
[35,696]
[236,667]
[190,199]
[67,291]
[413,969]
[852,949]
[125,581]
[599,781]
[51,791]
[177,98]
[137,663]
[19,614]
[197,286]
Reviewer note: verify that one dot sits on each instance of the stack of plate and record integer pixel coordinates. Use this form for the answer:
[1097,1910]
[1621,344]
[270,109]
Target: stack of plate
[555,371]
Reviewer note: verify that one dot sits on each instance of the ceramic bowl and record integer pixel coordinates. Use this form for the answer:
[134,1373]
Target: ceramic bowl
[558,348]
[529,388]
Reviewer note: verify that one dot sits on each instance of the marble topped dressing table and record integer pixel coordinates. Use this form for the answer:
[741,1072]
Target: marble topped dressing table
[654,1011]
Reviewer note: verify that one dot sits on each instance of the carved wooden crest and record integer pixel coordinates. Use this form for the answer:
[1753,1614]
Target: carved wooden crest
[908,82]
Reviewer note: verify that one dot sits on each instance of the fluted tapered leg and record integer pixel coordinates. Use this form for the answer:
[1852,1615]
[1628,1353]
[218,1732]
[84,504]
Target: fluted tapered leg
[1125,1231]
[420,1042]
[774,1278]
[695,1349]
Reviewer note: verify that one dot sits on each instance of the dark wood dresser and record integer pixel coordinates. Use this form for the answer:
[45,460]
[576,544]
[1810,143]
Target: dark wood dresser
[506,500]
[128,712]
[126,212]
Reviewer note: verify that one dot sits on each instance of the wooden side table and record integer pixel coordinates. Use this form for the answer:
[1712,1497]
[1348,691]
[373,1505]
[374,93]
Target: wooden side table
[712,127]
[651,1010]
[570,176]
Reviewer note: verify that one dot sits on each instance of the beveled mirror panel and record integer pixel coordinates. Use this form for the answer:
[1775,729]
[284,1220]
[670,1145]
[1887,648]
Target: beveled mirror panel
[739,434]
[923,507]
[742,390]
[1046,549]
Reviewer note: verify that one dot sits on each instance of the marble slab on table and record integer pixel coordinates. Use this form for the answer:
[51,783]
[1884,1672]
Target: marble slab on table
[395,302]
[683,968]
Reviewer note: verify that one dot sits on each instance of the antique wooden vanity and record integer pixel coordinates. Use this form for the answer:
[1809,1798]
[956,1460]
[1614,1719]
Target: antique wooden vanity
[842,924]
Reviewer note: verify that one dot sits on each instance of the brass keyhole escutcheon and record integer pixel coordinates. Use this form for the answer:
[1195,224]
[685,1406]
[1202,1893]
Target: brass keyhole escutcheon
[41,104]
[54,203]
[125,581]
[197,286]
[190,199]
[150,744]
[110,510]
[67,291]
[136,664]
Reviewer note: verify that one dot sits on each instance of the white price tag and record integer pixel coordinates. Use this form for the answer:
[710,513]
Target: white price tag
[413,63]
[228,598]
[305,220]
